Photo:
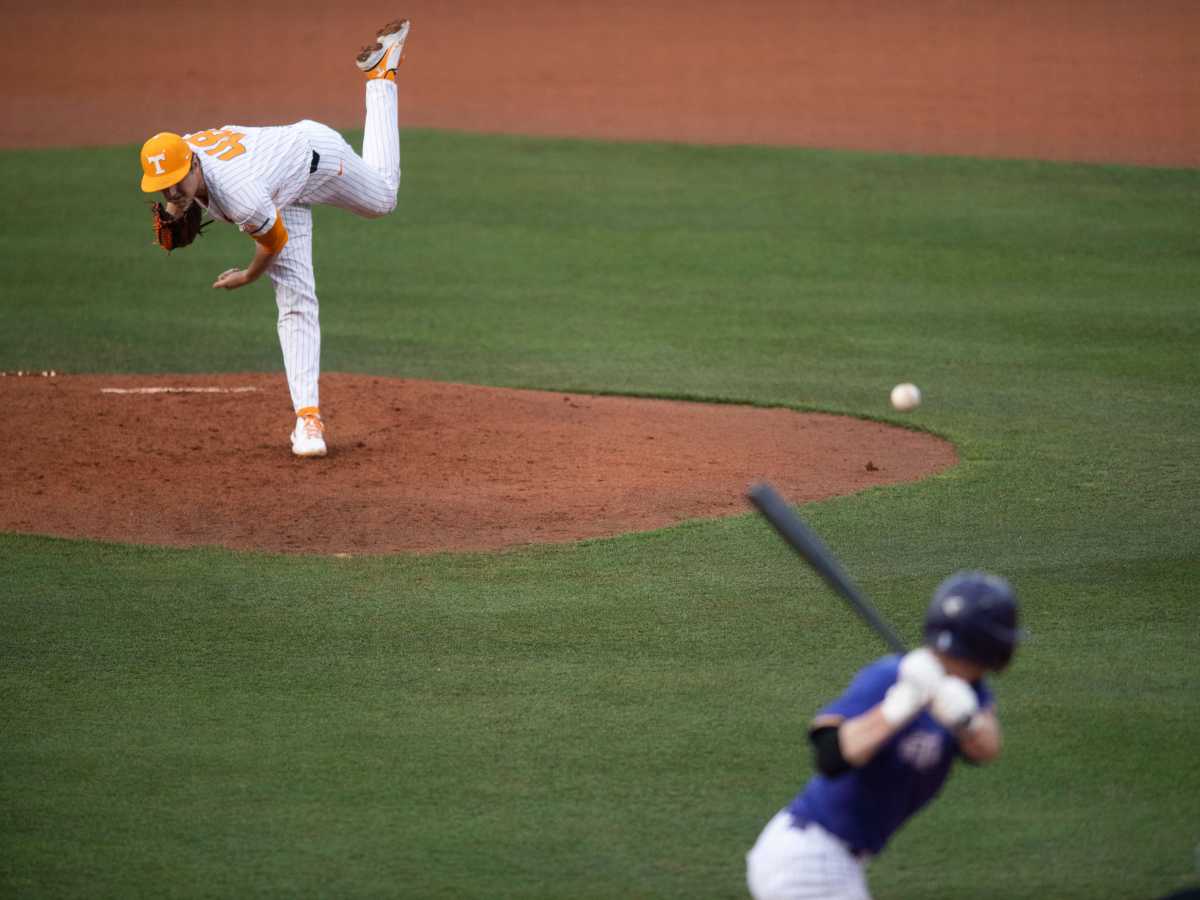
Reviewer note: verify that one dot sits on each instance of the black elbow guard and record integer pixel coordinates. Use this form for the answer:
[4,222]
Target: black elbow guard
[828,751]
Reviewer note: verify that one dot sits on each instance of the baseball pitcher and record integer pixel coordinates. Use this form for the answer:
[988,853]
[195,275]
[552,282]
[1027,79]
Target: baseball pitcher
[886,745]
[265,181]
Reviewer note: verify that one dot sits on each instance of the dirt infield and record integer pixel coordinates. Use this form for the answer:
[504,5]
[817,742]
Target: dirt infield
[1106,80]
[413,466]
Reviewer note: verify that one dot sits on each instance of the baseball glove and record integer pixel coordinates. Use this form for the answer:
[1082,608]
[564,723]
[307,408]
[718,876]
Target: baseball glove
[171,232]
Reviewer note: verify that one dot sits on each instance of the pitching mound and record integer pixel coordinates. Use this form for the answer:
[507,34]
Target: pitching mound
[413,466]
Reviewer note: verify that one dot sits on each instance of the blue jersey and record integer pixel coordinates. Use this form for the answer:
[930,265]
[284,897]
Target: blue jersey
[864,806]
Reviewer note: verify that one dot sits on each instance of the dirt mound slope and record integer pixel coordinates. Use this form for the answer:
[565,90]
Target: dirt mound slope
[414,466]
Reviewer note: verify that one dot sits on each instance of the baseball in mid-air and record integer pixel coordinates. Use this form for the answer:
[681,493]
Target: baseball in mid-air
[906,397]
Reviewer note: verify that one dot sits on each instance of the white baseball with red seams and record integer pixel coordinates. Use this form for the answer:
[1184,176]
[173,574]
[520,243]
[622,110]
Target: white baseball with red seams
[906,397]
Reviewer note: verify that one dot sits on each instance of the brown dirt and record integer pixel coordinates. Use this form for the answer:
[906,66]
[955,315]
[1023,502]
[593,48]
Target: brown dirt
[419,466]
[413,465]
[1106,80]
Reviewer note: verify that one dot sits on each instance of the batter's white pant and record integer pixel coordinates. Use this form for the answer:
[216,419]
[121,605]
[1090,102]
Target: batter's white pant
[788,863]
[364,185]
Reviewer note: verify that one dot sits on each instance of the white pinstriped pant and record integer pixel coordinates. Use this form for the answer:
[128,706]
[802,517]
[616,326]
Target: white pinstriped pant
[365,186]
[809,863]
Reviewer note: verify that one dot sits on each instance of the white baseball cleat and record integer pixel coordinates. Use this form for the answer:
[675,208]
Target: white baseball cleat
[381,59]
[308,437]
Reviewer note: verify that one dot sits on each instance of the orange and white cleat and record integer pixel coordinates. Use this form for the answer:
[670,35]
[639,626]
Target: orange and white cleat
[308,437]
[381,59]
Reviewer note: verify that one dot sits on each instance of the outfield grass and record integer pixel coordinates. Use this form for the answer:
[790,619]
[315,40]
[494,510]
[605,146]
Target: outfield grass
[619,718]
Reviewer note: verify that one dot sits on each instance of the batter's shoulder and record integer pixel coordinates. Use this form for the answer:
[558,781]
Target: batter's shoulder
[876,676]
[885,665]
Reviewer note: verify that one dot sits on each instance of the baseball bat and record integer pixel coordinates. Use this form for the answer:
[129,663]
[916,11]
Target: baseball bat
[806,542]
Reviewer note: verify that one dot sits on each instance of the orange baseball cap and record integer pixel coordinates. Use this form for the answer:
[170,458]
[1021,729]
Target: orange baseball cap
[166,159]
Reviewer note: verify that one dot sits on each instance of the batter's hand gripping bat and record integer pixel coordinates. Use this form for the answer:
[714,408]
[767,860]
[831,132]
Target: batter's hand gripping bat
[805,542]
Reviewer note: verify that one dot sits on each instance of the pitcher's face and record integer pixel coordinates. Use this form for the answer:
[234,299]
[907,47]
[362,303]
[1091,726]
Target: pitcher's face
[182,192]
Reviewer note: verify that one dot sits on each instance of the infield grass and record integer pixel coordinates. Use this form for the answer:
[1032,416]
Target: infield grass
[619,718]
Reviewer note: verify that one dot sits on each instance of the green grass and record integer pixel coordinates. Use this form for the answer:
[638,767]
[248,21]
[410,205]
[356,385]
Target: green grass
[619,718]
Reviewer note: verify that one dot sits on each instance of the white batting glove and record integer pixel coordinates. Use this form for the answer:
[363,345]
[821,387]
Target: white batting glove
[954,703]
[920,674]
[921,669]
[901,702]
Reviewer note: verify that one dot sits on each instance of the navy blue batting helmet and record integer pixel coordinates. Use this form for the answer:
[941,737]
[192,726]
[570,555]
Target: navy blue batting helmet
[973,616]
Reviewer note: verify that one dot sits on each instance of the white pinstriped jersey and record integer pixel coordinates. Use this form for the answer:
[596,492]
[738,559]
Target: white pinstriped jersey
[252,172]
[254,175]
